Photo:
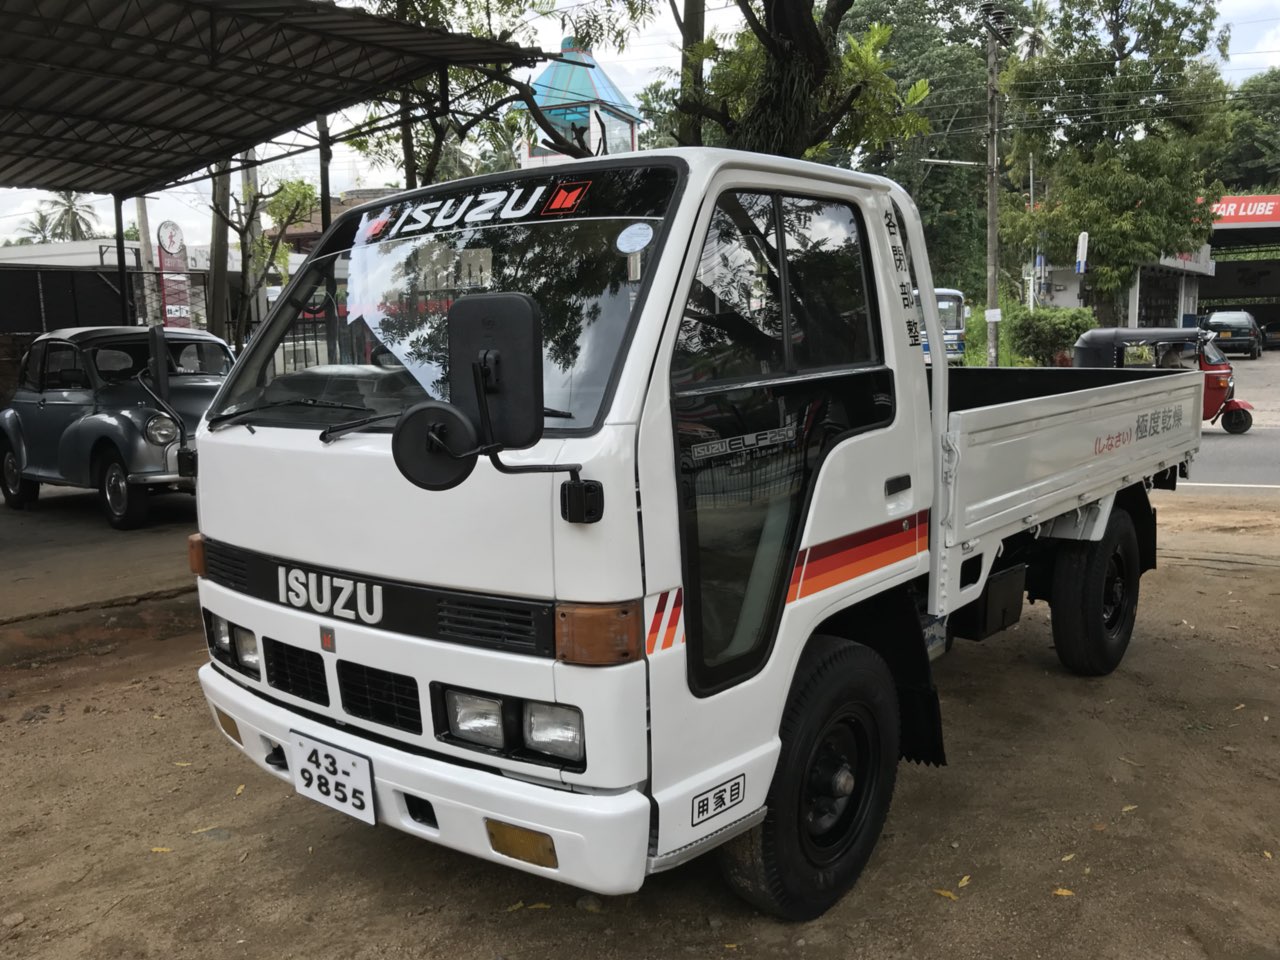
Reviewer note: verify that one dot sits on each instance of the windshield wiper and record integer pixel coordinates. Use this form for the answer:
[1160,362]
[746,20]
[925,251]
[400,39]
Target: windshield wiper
[227,418]
[330,434]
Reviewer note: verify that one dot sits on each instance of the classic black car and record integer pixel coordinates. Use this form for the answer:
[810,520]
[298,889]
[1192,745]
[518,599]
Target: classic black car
[88,412]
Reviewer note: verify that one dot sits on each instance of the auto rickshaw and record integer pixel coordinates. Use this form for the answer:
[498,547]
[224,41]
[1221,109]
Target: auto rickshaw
[1176,349]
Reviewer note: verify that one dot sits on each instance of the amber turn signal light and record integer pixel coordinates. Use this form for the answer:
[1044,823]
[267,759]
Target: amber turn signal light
[195,554]
[521,843]
[598,634]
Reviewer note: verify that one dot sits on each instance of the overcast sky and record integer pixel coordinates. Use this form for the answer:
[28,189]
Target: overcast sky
[1255,46]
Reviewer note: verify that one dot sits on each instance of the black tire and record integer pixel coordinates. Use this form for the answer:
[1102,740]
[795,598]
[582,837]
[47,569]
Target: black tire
[1094,598]
[124,503]
[19,493]
[1237,421]
[841,718]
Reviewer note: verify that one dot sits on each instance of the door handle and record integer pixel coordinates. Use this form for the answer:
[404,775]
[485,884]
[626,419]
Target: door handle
[897,484]
[41,402]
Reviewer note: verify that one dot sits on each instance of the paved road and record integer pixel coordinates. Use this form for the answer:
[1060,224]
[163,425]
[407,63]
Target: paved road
[1249,463]
[62,554]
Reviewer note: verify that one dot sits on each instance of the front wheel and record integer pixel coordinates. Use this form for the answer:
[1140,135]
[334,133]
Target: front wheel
[18,493]
[124,503]
[1094,598]
[1237,421]
[831,791]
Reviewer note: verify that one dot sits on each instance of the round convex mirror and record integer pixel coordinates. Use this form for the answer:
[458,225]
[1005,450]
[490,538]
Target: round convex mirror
[434,445]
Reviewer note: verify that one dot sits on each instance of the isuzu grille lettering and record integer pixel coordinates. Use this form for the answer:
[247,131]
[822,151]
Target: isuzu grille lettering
[336,596]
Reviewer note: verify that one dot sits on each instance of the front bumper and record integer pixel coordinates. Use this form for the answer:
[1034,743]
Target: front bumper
[601,840]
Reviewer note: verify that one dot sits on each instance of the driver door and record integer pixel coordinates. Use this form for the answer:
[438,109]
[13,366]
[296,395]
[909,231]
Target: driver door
[66,397]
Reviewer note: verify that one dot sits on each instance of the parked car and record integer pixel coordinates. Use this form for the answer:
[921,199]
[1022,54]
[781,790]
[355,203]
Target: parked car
[92,410]
[1237,332]
[1271,335]
[1171,349]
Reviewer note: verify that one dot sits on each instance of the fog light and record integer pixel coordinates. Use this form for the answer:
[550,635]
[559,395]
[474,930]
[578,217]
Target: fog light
[551,728]
[221,632]
[474,718]
[522,843]
[247,649]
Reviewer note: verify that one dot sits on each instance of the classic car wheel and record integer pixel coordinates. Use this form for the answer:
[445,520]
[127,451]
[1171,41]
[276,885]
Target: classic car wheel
[1237,421]
[18,492]
[125,503]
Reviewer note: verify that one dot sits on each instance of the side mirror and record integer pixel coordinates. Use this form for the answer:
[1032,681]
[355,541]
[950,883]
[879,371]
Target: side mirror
[495,348]
[159,361]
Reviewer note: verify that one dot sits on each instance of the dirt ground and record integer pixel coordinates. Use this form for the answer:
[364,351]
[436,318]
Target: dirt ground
[1153,796]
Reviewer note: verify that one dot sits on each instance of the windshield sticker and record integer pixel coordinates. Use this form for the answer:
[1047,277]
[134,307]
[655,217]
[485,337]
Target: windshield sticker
[566,198]
[634,238]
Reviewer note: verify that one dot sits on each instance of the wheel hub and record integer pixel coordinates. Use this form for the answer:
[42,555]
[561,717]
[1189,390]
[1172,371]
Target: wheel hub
[12,476]
[116,485]
[1113,593]
[834,797]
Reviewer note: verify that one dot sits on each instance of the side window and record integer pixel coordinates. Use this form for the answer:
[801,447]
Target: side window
[30,379]
[62,369]
[732,327]
[832,323]
[781,287]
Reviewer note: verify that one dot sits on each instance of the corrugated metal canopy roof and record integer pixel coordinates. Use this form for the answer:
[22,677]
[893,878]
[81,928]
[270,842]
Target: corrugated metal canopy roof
[125,96]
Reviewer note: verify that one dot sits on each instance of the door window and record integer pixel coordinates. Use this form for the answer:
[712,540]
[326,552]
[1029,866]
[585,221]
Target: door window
[63,369]
[30,379]
[781,289]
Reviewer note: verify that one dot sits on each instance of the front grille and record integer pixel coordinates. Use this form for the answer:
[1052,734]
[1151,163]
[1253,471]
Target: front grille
[472,621]
[296,671]
[378,695]
[226,566]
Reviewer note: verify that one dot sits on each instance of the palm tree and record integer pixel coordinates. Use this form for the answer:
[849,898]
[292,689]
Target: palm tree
[38,228]
[1033,39]
[71,215]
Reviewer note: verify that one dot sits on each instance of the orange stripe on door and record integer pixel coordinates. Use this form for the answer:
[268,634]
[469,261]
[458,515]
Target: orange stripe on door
[674,621]
[834,562]
[651,642]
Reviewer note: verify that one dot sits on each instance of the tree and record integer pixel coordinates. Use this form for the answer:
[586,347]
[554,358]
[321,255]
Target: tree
[71,216]
[38,228]
[1046,332]
[285,203]
[793,84]
[1251,158]
[1123,110]
[940,40]
[131,231]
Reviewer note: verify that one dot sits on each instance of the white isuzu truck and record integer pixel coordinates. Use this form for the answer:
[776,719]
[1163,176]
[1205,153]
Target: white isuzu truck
[589,518]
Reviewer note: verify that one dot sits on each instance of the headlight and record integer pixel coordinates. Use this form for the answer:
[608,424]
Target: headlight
[161,429]
[220,631]
[551,728]
[473,718]
[247,649]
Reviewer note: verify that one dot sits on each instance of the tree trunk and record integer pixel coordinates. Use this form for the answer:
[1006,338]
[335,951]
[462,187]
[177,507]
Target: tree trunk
[693,30]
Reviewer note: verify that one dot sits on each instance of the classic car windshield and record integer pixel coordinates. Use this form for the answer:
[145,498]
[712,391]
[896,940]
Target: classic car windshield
[364,328]
[117,360]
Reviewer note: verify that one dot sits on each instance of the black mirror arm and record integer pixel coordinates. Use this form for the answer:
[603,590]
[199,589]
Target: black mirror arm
[164,405]
[487,448]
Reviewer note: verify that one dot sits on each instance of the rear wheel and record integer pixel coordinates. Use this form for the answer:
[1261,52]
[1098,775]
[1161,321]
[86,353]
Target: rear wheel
[832,787]
[1095,598]
[1237,421]
[124,503]
[18,493]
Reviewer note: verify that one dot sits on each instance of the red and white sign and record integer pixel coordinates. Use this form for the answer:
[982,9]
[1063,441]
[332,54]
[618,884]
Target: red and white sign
[1248,210]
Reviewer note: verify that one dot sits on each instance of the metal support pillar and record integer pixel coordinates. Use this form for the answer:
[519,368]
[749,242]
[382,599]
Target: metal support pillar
[326,154]
[993,213]
[126,319]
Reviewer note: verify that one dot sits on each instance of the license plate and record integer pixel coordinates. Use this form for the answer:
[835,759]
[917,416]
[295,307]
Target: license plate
[1225,335]
[334,777]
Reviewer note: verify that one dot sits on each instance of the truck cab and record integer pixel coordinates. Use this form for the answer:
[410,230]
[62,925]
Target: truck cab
[610,518]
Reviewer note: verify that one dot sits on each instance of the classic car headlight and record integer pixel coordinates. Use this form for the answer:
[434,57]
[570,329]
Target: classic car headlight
[161,429]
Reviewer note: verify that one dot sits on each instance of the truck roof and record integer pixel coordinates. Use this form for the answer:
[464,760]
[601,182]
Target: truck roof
[702,162]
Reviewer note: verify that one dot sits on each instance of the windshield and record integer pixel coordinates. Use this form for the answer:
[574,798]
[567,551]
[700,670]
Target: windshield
[365,325]
[951,310]
[117,360]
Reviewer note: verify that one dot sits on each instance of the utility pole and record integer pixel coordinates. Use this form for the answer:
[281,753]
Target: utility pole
[150,282]
[999,33]
[216,295]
